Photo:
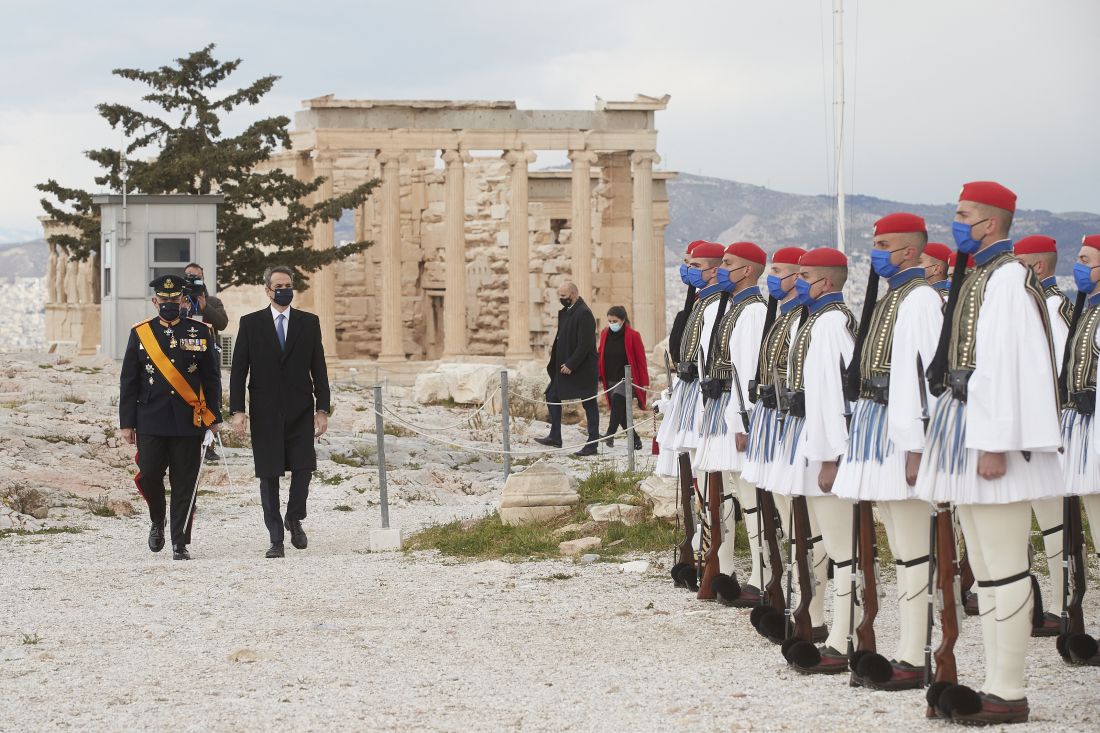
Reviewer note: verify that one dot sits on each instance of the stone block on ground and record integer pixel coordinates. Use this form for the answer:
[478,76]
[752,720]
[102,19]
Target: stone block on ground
[527,514]
[635,566]
[469,384]
[576,547]
[628,514]
[385,540]
[663,493]
[430,387]
[538,493]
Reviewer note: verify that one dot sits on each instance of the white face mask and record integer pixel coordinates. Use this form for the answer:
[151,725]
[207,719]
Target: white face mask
[616,327]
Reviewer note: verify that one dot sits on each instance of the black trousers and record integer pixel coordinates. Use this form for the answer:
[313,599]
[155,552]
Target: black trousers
[295,503]
[617,421]
[180,457]
[591,414]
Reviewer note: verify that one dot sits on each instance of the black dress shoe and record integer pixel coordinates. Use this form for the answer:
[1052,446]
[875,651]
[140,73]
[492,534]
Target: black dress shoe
[179,552]
[156,537]
[297,534]
[637,442]
[587,450]
[548,441]
[276,550]
[609,440]
[212,457]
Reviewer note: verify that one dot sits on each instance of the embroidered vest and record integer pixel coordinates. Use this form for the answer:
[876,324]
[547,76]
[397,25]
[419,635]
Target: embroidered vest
[721,367]
[1081,370]
[1065,308]
[801,345]
[693,329]
[775,349]
[878,349]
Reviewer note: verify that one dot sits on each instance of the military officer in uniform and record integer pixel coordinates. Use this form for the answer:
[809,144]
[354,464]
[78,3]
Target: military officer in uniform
[169,396]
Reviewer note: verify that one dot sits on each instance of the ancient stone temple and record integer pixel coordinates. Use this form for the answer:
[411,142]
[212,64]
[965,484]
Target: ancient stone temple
[458,185]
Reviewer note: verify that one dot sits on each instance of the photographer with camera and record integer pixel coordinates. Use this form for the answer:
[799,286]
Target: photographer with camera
[199,305]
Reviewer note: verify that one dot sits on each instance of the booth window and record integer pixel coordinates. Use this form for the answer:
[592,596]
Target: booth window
[171,254]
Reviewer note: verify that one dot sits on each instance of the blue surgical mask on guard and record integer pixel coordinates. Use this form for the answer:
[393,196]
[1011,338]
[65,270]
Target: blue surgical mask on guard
[881,264]
[964,236]
[803,287]
[695,278]
[684,274]
[724,281]
[775,287]
[1082,277]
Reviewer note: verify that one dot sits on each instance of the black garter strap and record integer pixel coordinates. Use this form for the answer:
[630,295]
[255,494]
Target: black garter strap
[1052,530]
[915,561]
[754,510]
[814,540]
[844,564]
[1004,581]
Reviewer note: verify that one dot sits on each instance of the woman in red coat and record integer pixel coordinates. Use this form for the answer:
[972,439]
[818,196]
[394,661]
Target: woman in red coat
[621,345]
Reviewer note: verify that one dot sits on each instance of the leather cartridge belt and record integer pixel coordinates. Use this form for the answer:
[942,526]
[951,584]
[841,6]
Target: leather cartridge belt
[875,388]
[957,381]
[798,404]
[766,394]
[687,372]
[712,389]
[1084,401]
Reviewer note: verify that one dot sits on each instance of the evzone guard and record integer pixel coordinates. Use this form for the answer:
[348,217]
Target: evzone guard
[723,429]
[992,445]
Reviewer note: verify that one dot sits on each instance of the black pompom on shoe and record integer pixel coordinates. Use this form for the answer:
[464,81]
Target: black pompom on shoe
[804,654]
[932,697]
[1082,648]
[675,573]
[959,700]
[758,613]
[875,668]
[726,589]
[853,661]
[785,647]
[773,625]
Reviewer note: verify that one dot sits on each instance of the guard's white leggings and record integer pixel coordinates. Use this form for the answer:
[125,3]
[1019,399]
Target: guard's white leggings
[819,560]
[907,524]
[1049,514]
[834,517]
[996,539]
[745,492]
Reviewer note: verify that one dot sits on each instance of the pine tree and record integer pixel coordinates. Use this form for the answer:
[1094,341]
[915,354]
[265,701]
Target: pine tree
[192,156]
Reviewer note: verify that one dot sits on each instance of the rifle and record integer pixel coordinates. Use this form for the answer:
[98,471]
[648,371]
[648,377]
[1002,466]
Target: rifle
[1073,571]
[685,573]
[713,511]
[773,589]
[868,571]
[799,618]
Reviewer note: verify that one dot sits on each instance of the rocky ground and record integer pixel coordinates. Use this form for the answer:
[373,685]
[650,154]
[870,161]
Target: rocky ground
[96,632]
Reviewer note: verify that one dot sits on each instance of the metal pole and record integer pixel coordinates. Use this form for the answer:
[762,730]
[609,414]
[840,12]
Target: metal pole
[504,421]
[380,430]
[628,394]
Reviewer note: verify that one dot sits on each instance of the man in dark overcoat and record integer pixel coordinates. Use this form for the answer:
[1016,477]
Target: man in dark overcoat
[279,356]
[573,368]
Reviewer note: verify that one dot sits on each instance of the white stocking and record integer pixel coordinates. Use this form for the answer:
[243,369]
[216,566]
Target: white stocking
[834,516]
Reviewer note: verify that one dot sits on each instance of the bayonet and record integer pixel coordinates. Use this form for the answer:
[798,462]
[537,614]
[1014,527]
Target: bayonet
[924,416]
[847,404]
[736,387]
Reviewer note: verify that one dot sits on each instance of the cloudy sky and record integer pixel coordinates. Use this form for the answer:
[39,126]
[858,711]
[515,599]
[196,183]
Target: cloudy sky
[938,91]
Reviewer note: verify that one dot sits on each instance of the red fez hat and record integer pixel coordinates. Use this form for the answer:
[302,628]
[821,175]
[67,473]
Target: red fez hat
[1091,240]
[955,256]
[939,251]
[988,193]
[708,250]
[748,251]
[899,223]
[787,255]
[1036,244]
[824,257]
[693,245]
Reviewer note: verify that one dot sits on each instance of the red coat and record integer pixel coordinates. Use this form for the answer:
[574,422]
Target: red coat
[635,357]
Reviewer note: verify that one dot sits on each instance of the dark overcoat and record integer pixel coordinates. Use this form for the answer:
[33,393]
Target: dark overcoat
[575,346]
[285,388]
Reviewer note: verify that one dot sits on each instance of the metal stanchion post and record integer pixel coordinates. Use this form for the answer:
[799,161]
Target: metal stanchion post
[628,395]
[386,538]
[504,420]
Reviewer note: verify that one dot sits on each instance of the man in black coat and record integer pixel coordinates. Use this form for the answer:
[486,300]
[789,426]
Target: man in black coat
[573,368]
[169,395]
[278,352]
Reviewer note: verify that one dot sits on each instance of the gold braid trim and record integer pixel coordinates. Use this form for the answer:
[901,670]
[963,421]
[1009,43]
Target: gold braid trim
[801,345]
[721,367]
[775,349]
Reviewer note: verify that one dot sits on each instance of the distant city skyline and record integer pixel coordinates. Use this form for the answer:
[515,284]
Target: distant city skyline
[938,92]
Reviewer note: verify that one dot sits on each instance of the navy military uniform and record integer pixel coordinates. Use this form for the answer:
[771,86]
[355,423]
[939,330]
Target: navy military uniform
[169,430]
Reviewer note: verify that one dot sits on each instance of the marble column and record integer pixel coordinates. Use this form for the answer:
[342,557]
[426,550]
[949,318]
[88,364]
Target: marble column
[582,221]
[454,299]
[323,282]
[392,348]
[648,262]
[519,269]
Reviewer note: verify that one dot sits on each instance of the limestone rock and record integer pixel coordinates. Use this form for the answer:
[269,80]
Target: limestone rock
[663,493]
[243,655]
[582,528]
[625,513]
[588,559]
[538,493]
[635,566]
[430,387]
[121,508]
[527,514]
[469,383]
[576,547]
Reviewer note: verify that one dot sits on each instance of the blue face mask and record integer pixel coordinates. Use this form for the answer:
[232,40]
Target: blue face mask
[615,327]
[964,237]
[684,274]
[775,287]
[724,280]
[695,278]
[803,287]
[1082,277]
[880,262]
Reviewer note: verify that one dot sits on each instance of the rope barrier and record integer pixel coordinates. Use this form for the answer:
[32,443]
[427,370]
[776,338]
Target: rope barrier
[491,451]
[617,386]
[461,422]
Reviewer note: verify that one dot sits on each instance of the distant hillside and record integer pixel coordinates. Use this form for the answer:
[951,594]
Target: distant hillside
[727,211]
[23,259]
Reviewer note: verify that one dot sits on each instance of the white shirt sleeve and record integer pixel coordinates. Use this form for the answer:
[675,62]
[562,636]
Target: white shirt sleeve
[826,432]
[1011,402]
[1058,329]
[916,331]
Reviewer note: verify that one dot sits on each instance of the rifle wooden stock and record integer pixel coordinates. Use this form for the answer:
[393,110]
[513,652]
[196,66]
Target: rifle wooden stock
[687,490]
[773,590]
[946,549]
[800,616]
[1073,548]
[966,574]
[714,519]
[865,631]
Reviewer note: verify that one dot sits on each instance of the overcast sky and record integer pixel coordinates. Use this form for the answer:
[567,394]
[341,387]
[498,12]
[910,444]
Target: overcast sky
[939,91]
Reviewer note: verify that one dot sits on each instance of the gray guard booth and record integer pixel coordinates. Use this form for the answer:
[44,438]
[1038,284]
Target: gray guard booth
[144,237]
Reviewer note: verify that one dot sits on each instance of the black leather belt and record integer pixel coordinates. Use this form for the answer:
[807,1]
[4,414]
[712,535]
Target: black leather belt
[712,389]
[1084,401]
[687,372]
[957,380]
[876,389]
